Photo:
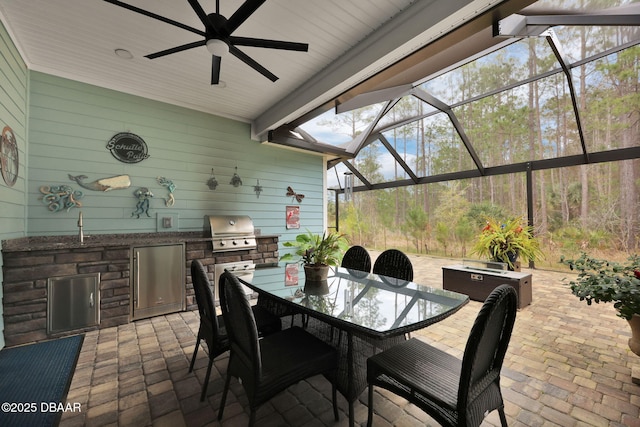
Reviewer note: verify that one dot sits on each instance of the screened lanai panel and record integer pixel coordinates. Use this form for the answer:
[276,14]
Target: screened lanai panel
[505,129]
[427,147]
[582,42]
[336,177]
[407,108]
[609,104]
[378,165]
[339,129]
[440,148]
[516,62]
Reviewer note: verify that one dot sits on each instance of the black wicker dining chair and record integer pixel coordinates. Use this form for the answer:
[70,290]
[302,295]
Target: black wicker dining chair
[268,366]
[212,328]
[394,263]
[357,260]
[454,392]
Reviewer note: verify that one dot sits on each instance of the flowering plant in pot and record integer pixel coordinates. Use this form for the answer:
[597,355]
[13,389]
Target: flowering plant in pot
[607,281]
[506,241]
[317,252]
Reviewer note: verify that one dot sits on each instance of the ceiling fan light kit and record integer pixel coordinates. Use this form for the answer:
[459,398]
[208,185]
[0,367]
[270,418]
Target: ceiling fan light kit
[217,36]
[217,47]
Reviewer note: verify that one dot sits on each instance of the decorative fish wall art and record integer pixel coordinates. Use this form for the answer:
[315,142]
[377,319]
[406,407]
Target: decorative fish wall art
[105,184]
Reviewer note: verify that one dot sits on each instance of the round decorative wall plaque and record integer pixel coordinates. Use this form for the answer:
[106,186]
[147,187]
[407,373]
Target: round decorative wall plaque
[9,162]
[128,147]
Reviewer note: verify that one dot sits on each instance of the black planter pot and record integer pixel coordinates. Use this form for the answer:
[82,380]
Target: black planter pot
[316,273]
[512,256]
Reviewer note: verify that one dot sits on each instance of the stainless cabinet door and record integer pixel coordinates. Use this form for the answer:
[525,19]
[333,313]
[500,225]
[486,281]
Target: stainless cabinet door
[73,302]
[158,280]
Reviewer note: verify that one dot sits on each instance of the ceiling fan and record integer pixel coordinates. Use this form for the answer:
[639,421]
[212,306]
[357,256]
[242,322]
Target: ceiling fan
[218,36]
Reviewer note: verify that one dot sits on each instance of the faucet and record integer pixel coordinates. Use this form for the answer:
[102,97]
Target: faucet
[80,234]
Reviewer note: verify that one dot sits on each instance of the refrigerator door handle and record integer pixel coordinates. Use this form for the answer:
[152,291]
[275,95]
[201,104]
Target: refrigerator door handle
[91,303]
[137,295]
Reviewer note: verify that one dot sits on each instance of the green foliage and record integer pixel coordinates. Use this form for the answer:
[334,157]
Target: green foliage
[464,232]
[607,281]
[501,240]
[442,234]
[354,224]
[479,212]
[416,223]
[315,249]
[573,239]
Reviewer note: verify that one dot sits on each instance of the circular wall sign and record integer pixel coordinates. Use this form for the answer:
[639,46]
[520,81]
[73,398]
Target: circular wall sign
[9,156]
[128,147]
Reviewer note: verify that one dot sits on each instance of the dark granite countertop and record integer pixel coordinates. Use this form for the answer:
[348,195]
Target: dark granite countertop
[39,243]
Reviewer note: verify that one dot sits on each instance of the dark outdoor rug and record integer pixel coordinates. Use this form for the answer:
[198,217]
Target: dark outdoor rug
[35,380]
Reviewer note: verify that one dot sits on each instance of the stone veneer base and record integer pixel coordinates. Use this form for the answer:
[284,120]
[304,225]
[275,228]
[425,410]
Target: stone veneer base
[29,262]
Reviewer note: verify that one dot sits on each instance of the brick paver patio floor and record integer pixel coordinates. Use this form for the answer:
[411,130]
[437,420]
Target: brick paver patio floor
[567,365]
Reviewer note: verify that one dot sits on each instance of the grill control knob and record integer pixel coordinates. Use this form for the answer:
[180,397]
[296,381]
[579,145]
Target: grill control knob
[235,243]
[222,243]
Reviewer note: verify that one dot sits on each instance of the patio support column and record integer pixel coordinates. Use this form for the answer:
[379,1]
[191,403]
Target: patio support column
[337,211]
[530,202]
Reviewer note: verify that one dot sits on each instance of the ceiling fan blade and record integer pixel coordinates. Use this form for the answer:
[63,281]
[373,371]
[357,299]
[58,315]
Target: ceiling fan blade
[270,44]
[155,16]
[215,69]
[175,49]
[200,12]
[241,15]
[252,63]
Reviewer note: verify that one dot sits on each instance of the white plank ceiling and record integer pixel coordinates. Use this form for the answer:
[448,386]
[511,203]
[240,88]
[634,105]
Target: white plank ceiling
[348,41]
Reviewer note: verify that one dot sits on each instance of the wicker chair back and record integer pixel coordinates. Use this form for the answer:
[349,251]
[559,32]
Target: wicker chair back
[394,263]
[357,258]
[486,348]
[211,328]
[241,326]
[204,298]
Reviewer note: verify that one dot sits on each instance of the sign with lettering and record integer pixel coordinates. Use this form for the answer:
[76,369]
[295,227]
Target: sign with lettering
[128,147]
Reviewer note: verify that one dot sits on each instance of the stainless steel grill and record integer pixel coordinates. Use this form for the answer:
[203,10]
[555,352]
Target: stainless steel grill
[230,232]
[242,269]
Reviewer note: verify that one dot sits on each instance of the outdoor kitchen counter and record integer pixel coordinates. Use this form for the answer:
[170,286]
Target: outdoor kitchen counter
[40,243]
[29,263]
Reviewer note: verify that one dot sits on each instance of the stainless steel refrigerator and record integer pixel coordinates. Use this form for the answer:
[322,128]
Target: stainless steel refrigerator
[157,280]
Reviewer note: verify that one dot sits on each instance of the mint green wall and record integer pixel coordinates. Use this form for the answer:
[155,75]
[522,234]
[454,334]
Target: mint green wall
[13,113]
[70,124]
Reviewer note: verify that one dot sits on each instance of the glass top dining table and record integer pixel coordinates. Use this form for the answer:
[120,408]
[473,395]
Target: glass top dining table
[365,303]
[358,313]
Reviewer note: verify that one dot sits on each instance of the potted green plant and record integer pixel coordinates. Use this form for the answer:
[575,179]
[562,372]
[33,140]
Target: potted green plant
[317,252]
[607,281]
[505,241]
